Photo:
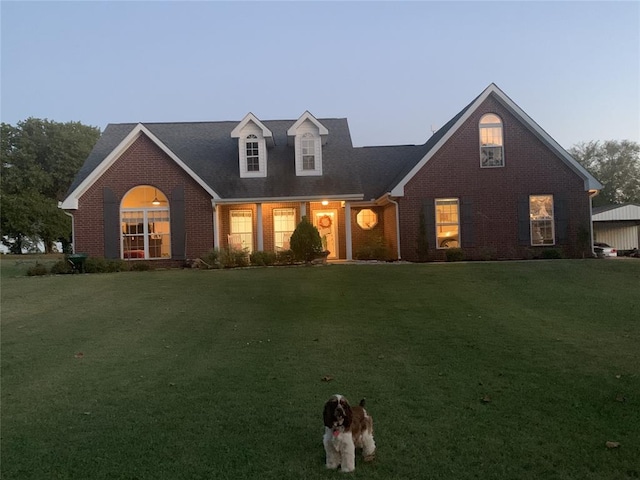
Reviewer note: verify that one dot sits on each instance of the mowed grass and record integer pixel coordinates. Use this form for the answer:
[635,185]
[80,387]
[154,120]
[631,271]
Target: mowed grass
[517,370]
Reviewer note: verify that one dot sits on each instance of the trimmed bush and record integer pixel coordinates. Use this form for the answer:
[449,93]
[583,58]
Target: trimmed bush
[285,257]
[103,265]
[454,255]
[233,257]
[305,241]
[141,266]
[211,258]
[37,270]
[374,249]
[262,259]
[61,268]
[551,253]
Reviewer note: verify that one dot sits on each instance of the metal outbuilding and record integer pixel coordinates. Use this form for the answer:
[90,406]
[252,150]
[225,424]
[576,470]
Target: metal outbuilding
[617,225]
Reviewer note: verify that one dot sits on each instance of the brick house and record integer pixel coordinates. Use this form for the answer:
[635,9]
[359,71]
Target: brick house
[490,182]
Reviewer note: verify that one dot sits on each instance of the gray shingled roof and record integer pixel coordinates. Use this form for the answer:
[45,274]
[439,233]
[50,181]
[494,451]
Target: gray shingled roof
[208,149]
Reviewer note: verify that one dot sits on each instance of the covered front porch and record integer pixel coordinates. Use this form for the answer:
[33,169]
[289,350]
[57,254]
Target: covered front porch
[348,227]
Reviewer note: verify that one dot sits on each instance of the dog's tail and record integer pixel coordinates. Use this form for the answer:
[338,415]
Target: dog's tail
[362,402]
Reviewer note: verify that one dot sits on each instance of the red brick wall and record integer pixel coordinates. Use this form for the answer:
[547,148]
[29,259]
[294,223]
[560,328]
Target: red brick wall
[530,168]
[143,163]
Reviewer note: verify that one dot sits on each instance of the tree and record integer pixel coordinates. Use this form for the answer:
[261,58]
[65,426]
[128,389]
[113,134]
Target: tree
[616,164]
[39,161]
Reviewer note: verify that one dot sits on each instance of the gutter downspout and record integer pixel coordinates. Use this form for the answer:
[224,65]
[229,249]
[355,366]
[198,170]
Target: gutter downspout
[397,224]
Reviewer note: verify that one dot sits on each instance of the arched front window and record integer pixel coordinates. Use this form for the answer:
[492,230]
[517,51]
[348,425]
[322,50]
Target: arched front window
[145,226]
[491,147]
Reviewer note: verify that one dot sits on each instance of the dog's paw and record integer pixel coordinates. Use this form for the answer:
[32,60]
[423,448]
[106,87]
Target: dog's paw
[369,458]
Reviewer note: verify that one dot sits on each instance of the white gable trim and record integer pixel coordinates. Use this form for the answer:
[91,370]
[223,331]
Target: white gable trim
[71,202]
[250,117]
[590,183]
[322,130]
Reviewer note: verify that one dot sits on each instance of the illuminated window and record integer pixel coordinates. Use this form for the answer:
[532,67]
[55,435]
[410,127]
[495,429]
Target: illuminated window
[253,156]
[367,219]
[145,225]
[447,222]
[242,228]
[541,217]
[491,146]
[284,223]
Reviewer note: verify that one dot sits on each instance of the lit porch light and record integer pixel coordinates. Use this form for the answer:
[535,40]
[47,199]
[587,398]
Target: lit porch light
[325,202]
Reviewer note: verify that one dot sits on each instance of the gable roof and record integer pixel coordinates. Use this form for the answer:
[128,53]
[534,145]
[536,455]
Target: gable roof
[208,153]
[446,132]
[250,117]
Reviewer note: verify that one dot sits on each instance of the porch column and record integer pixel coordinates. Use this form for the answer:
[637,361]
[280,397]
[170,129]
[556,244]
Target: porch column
[259,232]
[347,228]
[303,209]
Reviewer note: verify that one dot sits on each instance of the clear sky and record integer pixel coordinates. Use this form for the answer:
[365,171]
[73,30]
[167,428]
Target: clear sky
[394,69]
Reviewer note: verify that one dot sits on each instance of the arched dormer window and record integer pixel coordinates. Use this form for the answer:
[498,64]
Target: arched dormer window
[145,224]
[308,136]
[308,150]
[253,153]
[491,143]
[253,138]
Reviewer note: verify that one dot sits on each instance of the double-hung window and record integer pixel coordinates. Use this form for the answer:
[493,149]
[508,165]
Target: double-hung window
[542,221]
[308,147]
[242,228]
[253,153]
[491,144]
[447,222]
[284,223]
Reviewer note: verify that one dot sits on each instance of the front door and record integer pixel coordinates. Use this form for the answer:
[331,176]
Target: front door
[326,221]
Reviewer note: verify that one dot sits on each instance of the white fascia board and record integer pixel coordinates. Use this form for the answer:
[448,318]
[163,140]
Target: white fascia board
[71,202]
[590,183]
[250,117]
[314,198]
[322,130]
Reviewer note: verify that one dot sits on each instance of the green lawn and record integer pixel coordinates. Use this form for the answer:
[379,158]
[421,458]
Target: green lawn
[188,374]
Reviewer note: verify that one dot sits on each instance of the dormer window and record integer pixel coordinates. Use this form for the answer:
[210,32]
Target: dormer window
[308,146]
[253,153]
[491,146]
[308,136]
[253,138]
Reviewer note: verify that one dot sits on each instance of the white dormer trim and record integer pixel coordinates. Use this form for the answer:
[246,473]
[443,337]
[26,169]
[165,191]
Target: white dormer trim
[307,117]
[72,200]
[250,130]
[308,136]
[590,183]
[250,117]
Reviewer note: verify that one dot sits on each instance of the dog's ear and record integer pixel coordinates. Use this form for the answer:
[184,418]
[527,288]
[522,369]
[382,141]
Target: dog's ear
[327,414]
[348,415]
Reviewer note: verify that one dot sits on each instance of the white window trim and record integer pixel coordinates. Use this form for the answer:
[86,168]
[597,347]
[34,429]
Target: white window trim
[372,224]
[482,126]
[249,233]
[438,247]
[304,133]
[262,153]
[290,211]
[552,220]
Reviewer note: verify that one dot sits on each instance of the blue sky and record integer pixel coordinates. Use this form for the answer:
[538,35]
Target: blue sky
[394,69]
